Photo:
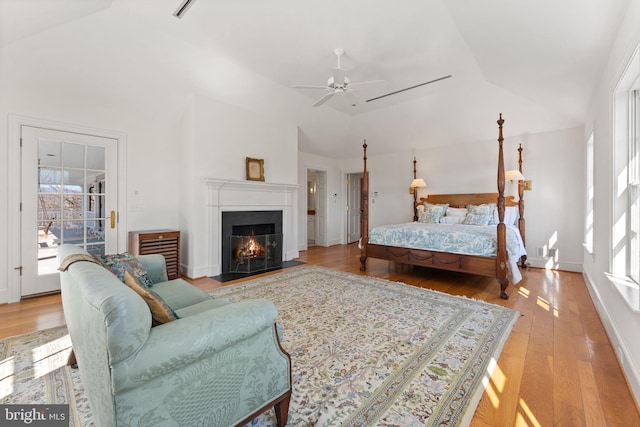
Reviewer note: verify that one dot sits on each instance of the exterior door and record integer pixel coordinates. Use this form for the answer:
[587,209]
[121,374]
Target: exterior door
[354,183]
[69,195]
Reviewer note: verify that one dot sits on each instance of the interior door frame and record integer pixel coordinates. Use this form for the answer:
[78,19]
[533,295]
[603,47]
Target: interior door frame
[349,185]
[13,242]
[344,217]
[325,210]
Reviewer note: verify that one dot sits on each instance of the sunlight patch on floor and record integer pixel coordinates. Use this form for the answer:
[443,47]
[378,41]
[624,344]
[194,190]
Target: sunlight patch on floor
[525,417]
[524,292]
[51,356]
[543,303]
[494,382]
[7,372]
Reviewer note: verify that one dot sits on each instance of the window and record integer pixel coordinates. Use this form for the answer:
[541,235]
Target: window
[633,207]
[588,220]
[625,231]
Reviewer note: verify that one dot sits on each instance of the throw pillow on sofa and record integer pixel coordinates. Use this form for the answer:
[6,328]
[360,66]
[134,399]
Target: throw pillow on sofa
[160,311]
[118,264]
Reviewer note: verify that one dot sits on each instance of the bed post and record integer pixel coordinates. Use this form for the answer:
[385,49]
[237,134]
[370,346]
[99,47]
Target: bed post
[521,223]
[364,211]
[501,254]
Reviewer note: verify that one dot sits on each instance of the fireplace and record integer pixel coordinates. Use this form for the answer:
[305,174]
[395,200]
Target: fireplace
[251,241]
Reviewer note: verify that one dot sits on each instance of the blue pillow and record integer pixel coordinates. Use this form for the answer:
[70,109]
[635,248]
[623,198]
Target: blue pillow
[119,263]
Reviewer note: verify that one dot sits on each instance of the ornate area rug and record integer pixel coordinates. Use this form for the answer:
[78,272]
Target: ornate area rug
[364,352]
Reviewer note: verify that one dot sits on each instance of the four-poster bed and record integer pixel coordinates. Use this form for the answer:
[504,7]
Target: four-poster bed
[507,243]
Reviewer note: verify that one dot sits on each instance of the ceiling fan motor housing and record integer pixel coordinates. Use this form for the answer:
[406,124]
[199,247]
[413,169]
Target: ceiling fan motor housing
[338,88]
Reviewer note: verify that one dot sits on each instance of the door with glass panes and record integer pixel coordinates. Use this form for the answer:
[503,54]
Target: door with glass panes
[69,187]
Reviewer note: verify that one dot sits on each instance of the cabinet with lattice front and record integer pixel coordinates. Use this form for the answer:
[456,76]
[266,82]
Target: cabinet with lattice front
[164,242]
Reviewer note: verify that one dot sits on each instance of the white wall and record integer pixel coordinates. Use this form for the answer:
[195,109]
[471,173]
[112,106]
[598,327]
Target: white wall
[621,323]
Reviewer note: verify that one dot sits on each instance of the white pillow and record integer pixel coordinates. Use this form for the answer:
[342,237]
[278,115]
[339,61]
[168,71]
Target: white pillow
[456,212]
[451,219]
[510,216]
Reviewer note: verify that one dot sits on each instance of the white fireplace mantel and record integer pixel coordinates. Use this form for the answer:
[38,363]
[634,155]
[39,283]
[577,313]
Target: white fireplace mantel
[230,195]
[232,185]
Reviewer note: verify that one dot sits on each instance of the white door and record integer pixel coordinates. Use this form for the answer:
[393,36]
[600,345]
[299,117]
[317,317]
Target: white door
[321,211]
[69,195]
[354,184]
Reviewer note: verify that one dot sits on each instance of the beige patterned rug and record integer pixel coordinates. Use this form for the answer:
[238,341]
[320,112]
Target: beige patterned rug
[364,351]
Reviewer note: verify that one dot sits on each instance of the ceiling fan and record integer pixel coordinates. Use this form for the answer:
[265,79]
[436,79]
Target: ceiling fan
[339,83]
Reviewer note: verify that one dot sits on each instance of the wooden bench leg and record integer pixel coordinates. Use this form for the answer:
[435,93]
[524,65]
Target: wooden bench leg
[71,361]
[282,411]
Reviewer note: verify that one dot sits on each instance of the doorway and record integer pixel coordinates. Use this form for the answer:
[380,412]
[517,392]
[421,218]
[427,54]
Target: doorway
[316,207]
[354,190]
[69,194]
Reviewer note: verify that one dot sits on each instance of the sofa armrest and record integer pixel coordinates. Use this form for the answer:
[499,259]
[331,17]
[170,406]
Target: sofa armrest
[176,344]
[156,267]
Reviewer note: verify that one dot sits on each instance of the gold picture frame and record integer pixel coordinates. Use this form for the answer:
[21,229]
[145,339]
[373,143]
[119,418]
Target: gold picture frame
[255,169]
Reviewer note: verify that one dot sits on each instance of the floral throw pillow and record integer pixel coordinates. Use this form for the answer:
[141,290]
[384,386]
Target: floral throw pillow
[119,263]
[431,214]
[478,215]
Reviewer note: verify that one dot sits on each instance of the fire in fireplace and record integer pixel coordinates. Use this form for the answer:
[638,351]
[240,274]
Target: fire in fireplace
[252,241]
[255,253]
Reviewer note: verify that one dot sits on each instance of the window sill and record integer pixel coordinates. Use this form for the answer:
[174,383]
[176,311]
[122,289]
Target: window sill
[628,290]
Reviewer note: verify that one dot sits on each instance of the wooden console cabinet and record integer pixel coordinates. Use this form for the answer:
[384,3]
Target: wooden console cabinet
[164,242]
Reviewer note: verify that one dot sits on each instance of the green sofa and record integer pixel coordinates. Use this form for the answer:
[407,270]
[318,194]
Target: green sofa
[219,364]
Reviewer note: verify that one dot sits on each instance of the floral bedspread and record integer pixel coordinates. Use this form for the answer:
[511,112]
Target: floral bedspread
[455,238]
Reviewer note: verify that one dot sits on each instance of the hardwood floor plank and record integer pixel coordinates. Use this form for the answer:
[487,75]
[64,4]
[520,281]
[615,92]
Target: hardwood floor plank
[557,367]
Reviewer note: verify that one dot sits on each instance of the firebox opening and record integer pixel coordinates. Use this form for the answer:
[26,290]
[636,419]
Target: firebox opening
[252,241]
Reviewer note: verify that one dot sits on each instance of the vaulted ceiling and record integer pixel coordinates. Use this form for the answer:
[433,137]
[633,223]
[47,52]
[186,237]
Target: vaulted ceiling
[536,62]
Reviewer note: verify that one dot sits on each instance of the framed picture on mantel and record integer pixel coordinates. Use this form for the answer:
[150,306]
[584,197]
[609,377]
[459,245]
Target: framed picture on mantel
[255,169]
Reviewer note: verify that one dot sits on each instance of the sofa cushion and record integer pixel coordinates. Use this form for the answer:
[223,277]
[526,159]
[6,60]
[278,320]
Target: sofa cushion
[160,311]
[202,306]
[119,263]
[178,293]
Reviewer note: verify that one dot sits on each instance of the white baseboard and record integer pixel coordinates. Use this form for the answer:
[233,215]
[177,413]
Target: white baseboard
[197,272]
[554,265]
[629,368]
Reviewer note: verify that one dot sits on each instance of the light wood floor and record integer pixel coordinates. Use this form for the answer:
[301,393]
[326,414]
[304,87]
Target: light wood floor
[557,367]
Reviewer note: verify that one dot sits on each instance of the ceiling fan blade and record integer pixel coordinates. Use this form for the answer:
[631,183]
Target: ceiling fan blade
[339,76]
[354,99]
[371,83]
[309,87]
[324,99]
[409,88]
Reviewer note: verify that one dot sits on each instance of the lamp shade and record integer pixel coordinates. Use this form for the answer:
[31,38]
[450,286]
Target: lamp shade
[513,176]
[418,182]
